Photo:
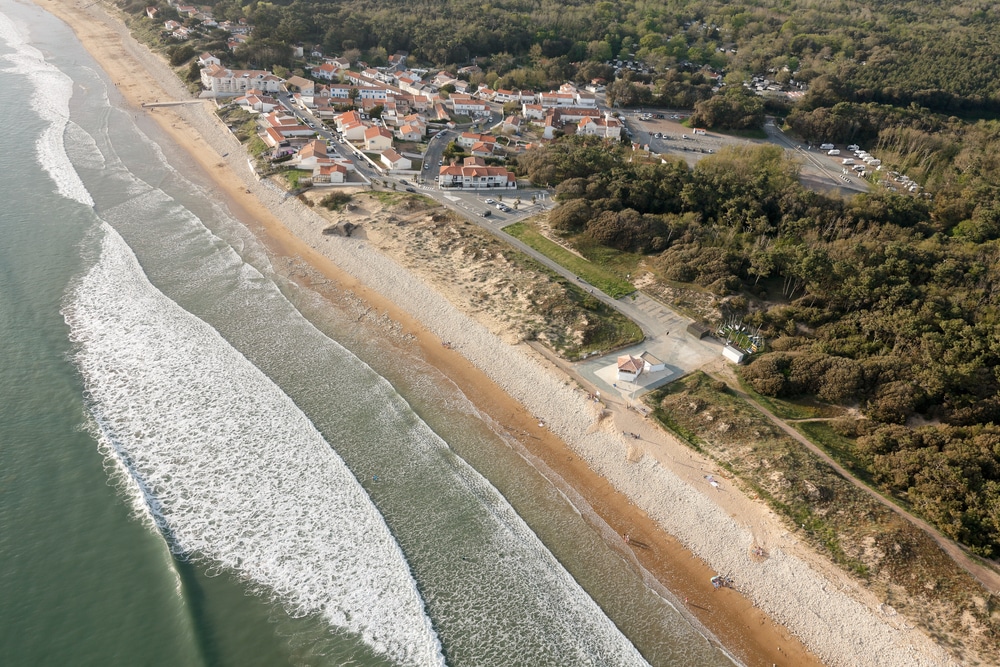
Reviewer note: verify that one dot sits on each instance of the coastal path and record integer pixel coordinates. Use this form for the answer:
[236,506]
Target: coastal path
[173,103]
[985,575]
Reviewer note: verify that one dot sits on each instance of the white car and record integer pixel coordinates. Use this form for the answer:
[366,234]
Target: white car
[490,201]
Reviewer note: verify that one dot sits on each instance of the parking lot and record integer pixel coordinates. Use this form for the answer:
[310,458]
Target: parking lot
[667,136]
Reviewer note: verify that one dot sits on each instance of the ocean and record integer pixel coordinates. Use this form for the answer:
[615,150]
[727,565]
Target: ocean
[204,463]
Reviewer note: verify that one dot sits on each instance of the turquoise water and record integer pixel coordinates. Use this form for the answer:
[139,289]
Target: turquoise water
[202,463]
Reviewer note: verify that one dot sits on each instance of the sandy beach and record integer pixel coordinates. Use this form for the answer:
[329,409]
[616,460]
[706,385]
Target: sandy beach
[791,607]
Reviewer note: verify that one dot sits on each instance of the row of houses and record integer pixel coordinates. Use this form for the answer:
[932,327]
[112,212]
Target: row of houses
[589,121]
[238,30]
[473,174]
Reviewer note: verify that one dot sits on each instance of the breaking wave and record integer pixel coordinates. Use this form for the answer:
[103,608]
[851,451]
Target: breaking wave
[52,91]
[229,469]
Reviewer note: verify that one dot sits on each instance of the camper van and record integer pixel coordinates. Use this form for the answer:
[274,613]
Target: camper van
[698,130]
[825,147]
[847,160]
[833,152]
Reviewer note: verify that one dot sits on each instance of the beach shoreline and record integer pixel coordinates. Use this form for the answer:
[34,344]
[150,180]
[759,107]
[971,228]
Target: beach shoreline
[635,490]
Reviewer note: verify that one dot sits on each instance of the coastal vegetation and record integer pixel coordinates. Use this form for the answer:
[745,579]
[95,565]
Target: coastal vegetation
[523,300]
[887,302]
[900,562]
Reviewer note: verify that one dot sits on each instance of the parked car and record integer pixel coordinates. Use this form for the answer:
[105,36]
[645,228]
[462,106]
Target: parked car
[490,202]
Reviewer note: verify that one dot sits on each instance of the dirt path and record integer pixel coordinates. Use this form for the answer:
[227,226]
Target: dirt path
[985,575]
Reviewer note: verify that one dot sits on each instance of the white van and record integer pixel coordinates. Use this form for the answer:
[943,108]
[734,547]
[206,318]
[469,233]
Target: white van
[854,147]
[833,152]
[825,147]
[847,160]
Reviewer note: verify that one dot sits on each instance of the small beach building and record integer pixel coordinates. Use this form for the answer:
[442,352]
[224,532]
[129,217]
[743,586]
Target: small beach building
[734,354]
[629,368]
[698,330]
[651,364]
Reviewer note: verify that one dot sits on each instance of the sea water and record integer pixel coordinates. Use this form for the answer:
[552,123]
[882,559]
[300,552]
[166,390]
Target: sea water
[203,463]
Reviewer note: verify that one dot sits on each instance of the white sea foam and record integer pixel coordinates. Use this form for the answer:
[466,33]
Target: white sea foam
[229,468]
[50,98]
[82,148]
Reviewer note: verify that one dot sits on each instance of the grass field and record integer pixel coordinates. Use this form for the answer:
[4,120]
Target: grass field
[605,279]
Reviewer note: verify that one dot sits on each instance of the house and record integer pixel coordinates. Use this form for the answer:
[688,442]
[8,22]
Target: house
[338,91]
[347,118]
[439,112]
[235,41]
[630,368]
[206,59]
[309,155]
[394,161]
[609,128]
[512,125]
[151,12]
[272,137]
[286,126]
[300,84]
[474,174]
[257,102]
[464,105]
[532,111]
[410,132]
[553,99]
[563,115]
[483,148]
[326,71]
[442,78]
[377,139]
[503,96]
[372,93]
[354,131]
[329,173]
[410,84]
[470,139]
[549,127]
